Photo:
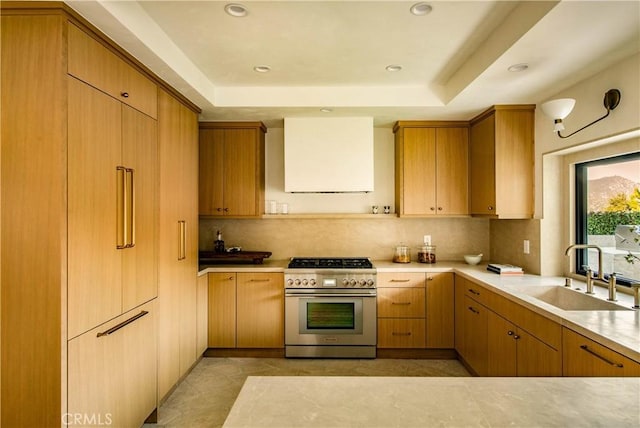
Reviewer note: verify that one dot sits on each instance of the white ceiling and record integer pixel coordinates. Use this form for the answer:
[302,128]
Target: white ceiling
[334,53]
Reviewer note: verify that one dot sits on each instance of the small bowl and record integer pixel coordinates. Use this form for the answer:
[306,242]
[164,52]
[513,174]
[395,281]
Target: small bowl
[472,260]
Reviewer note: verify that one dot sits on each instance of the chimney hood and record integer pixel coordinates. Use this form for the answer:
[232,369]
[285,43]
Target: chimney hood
[328,155]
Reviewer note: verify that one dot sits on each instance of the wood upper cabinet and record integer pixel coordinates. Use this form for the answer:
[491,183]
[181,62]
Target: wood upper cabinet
[232,169]
[431,168]
[501,156]
[440,310]
[585,357]
[92,62]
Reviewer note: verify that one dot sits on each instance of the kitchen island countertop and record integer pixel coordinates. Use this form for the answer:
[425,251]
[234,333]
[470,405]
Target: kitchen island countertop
[278,401]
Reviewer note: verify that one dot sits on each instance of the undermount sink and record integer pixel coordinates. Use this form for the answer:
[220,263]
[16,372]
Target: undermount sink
[568,299]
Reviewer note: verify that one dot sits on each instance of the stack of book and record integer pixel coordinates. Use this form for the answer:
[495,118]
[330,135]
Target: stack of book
[505,269]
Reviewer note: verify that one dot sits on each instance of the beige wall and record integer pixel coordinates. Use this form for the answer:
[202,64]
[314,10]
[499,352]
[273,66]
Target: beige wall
[507,243]
[553,171]
[373,238]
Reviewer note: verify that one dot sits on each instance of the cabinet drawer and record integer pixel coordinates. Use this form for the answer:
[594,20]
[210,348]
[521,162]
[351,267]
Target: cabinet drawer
[585,357]
[477,293]
[401,303]
[401,279]
[95,64]
[401,333]
[112,369]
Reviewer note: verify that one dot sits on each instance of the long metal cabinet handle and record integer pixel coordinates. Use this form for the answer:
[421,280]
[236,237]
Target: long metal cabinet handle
[595,354]
[122,324]
[400,303]
[132,209]
[400,280]
[182,245]
[259,280]
[121,209]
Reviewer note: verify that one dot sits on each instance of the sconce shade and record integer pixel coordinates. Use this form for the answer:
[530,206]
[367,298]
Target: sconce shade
[558,109]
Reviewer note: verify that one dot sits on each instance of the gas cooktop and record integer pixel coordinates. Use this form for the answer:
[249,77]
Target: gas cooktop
[330,263]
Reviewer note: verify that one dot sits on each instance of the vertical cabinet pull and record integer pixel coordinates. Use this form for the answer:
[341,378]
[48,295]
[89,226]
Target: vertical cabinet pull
[182,240]
[125,208]
[131,242]
[121,209]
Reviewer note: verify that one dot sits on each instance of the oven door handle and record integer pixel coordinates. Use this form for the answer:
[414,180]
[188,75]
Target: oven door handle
[328,295]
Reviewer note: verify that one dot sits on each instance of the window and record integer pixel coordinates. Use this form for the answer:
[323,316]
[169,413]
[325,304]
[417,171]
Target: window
[608,215]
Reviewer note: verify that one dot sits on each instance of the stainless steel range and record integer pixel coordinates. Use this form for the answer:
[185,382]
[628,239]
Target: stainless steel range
[330,308]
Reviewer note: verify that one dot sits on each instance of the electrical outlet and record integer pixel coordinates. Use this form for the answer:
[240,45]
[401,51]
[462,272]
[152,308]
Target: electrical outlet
[427,240]
[526,246]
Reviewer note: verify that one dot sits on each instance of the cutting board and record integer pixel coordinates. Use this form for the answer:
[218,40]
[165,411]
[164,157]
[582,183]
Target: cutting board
[255,257]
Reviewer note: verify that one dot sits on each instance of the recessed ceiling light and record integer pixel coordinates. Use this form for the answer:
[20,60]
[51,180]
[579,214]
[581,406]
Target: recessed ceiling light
[262,68]
[393,68]
[326,110]
[515,68]
[236,9]
[421,8]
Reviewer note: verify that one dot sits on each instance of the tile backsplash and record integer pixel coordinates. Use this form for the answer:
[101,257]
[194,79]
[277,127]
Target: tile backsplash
[349,237]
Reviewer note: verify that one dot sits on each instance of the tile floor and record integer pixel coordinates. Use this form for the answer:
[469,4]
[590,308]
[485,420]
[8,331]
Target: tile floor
[207,394]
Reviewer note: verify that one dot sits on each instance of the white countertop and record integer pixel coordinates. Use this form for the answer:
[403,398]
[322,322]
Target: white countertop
[618,330]
[277,401]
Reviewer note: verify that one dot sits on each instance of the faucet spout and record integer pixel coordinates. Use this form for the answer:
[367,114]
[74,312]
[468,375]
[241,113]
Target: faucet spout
[585,246]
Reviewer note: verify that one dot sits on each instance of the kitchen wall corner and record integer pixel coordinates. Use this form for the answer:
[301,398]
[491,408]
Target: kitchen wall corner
[507,239]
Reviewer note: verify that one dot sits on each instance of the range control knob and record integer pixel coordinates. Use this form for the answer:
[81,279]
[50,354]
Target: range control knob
[345,281]
[312,281]
[362,282]
[370,282]
[289,281]
[352,282]
[305,282]
[297,282]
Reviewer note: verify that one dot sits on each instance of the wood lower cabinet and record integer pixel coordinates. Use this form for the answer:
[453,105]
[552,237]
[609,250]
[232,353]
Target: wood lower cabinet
[246,310]
[431,168]
[511,351]
[260,310]
[231,169]
[102,364]
[401,310]
[439,317]
[222,310]
[476,346]
[585,357]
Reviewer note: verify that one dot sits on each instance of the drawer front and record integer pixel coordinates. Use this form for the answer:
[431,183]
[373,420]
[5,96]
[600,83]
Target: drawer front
[401,303]
[477,293]
[585,357]
[95,64]
[401,333]
[401,279]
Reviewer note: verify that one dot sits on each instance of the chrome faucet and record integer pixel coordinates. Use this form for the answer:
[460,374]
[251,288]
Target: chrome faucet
[589,272]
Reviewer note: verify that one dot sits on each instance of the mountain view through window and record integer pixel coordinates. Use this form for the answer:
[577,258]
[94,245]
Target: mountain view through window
[610,211]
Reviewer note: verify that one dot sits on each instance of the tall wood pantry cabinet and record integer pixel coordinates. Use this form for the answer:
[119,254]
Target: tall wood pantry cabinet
[431,168]
[501,160]
[82,154]
[232,169]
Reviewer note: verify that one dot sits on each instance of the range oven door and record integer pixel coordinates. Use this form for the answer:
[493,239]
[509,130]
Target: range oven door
[330,319]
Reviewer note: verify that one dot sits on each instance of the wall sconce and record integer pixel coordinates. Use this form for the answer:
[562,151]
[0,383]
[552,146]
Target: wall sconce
[559,109]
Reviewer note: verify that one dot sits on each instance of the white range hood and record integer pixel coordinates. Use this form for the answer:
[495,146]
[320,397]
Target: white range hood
[328,155]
